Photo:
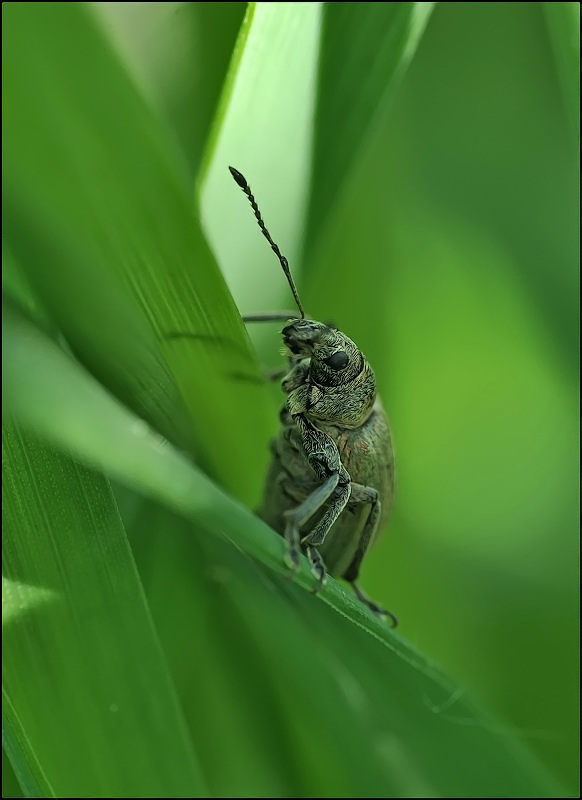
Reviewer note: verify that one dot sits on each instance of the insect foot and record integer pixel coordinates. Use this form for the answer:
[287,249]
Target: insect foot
[317,568]
[374,607]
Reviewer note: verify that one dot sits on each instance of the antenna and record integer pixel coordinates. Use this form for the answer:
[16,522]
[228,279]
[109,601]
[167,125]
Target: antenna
[284,263]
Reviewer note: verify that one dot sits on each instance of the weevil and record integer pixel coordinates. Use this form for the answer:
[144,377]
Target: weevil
[330,483]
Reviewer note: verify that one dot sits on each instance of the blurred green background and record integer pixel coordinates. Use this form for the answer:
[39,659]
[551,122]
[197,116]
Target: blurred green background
[419,167]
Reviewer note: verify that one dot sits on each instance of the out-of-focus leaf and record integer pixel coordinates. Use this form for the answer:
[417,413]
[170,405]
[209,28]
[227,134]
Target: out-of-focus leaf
[564,28]
[81,661]
[178,54]
[101,222]
[10,784]
[22,757]
[353,717]
[454,263]
[365,50]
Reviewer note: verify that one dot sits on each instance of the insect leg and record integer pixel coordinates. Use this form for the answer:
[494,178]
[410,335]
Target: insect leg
[365,494]
[270,316]
[317,567]
[272,375]
[318,534]
[374,607]
[321,530]
[296,517]
[323,457]
[297,375]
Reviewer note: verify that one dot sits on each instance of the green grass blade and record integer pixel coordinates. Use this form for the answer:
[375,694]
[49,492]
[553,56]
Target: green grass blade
[272,86]
[100,219]
[22,757]
[82,665]
[353,718]
[178,55]
[332,686]
[365,50]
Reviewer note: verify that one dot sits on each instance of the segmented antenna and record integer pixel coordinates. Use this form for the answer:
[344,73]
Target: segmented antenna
[240,179]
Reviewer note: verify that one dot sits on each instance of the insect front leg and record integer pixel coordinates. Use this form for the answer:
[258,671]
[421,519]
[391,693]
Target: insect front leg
[365,494]
[296,377]
[295,374]
[272,375]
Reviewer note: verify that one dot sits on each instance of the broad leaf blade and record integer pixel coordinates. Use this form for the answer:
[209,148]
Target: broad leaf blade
[348,694]
[82,665]
[178,53]
[101,221]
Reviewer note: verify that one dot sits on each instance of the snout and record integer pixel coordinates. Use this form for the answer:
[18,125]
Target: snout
[287,330]
[290,339]
[301,335]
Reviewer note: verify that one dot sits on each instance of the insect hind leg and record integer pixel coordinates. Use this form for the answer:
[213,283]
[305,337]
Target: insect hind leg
[373,606]
[365,494]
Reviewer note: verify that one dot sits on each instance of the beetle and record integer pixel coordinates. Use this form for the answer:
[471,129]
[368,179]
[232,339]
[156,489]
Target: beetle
[330,484]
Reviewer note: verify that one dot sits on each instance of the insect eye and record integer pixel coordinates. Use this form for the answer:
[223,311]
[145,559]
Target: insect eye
[337,360]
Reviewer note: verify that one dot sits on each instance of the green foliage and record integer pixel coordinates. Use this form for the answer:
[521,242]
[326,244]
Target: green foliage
[418,166]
